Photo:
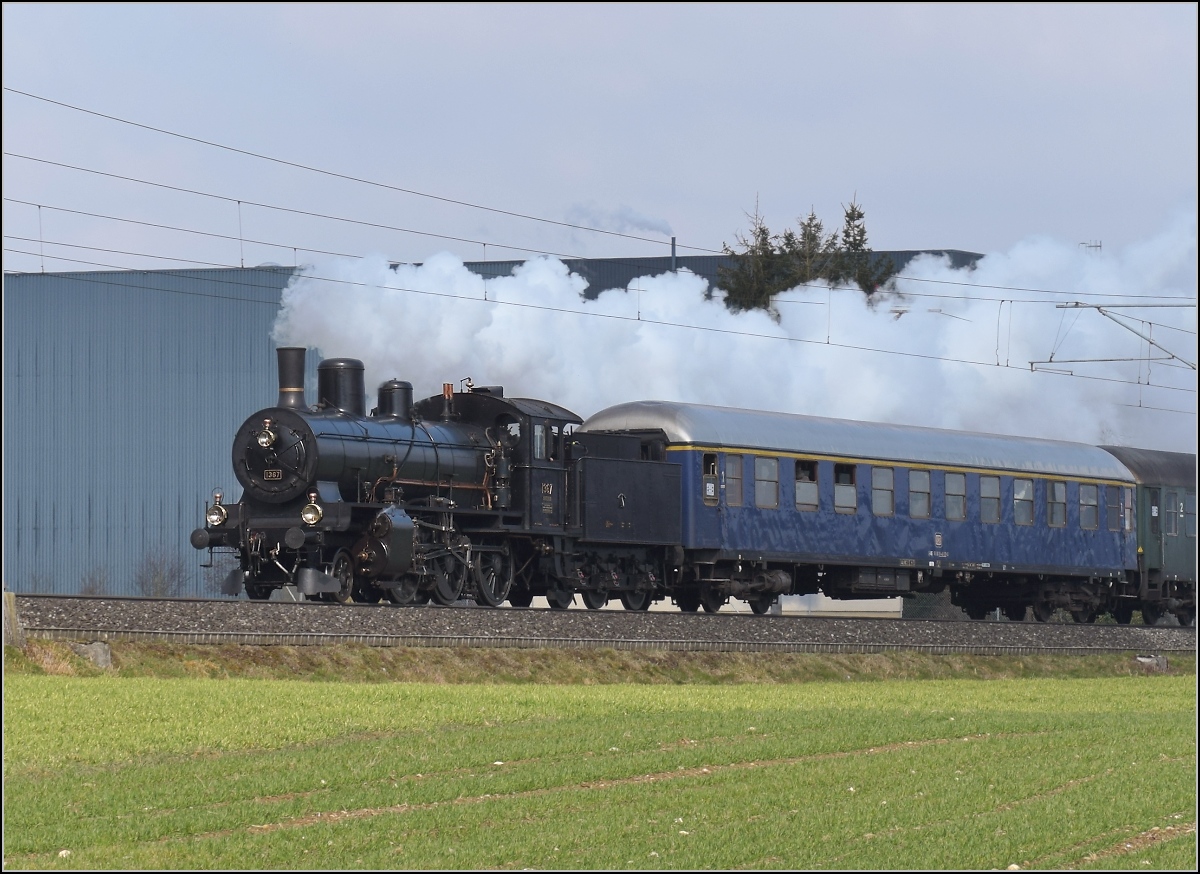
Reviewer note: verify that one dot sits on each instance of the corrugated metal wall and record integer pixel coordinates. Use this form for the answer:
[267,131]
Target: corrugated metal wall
[122,392]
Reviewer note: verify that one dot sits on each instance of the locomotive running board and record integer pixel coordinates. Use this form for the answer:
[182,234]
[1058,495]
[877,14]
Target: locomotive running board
[310,581]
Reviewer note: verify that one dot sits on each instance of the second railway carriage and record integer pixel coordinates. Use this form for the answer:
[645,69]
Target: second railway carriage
[776,503]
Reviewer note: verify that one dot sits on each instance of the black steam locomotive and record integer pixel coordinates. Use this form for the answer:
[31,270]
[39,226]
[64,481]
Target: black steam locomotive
[472,495]
[460,496]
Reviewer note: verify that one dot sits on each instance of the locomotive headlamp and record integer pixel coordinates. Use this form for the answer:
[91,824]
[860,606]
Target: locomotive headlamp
[216,515]
[266,437]
[312,512]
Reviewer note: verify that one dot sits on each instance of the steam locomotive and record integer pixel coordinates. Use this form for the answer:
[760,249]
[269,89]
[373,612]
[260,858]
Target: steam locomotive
[474,495]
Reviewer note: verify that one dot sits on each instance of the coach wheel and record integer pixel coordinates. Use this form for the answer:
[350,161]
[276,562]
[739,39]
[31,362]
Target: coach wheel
[520,597]
[1123,612]
[594,600]
[447,580]
[711,600]
[405,593]
[688,603]
[761,603]
[559,599]
[342,570]
[258,593]
[977,612]
[1016,613]
[493,578]
[1084,616]
[1151,613]
[637,601]
[1186,615]
[1042,611]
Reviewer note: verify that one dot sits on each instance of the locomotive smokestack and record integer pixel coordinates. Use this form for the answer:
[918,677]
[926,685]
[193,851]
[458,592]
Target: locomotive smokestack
[291,377]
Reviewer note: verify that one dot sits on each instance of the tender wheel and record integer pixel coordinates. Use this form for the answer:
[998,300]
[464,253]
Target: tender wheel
[520,597]
[1015,613]
[405,593]
[342,570]
[637,601]
[761,603]
[688,602]
[258,592]
[447,580]
[1123,612]
[1151,613]
[711,600]
[559,599]
[1186,615]
[493,578]
[977,612]
[1042,611]
[595,600]
[1084,616]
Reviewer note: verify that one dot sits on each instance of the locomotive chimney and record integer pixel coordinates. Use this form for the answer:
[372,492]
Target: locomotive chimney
[340,385]
[396,399]
[291,377]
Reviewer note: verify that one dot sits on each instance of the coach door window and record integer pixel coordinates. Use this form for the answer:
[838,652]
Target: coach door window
[766,482]
[1128,509]
[733,480]
[918,494]
[845,496]
[807,495]
[1023,501]
[1171,510]
[708,476]
[1089,507]
[1056,504]
[1155,522]
[883,497]
[956,496]
[1189,515]
[989,499]
[1112,498]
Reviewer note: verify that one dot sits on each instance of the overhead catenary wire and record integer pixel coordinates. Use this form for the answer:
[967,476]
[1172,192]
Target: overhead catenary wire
[619,317]
[348,177]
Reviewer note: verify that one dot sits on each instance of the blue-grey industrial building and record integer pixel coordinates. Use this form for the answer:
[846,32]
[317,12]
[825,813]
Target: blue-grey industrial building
[122,391]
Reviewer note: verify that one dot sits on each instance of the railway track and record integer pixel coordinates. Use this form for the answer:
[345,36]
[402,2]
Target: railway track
[198,621]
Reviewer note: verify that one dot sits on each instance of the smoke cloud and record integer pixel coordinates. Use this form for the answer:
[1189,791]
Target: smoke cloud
[670,337]
[624,219]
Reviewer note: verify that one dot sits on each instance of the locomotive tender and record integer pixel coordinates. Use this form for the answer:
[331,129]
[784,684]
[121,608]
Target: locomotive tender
[474,495]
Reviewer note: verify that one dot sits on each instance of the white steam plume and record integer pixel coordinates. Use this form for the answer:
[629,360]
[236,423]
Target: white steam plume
[534,334]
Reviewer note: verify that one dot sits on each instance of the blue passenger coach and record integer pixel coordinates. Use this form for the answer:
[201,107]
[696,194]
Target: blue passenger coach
[776,503]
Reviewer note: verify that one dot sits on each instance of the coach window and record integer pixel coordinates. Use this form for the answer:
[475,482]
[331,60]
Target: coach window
[845,494]
[918,494]
[956,496]
[1056,504]
[1023,501]
[1112,498]
[733,480]
[989,499]
[1089,507]
[883,498]
[807,496]
[766,482]
[1171,510]
[1189,515]
[708,476]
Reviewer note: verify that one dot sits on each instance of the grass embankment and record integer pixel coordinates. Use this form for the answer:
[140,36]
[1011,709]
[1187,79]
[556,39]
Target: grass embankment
[116,771]
[367,664]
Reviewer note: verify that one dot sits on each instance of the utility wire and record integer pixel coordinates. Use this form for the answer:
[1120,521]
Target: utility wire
[348,177]
[618,317]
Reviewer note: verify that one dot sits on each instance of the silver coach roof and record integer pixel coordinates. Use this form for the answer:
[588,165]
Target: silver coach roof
[786,432]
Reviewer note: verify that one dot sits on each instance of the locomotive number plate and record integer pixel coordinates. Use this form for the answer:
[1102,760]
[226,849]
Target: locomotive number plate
[272,473]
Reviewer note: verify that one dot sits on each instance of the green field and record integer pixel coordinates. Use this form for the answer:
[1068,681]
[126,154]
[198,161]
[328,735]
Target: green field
[137,772]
